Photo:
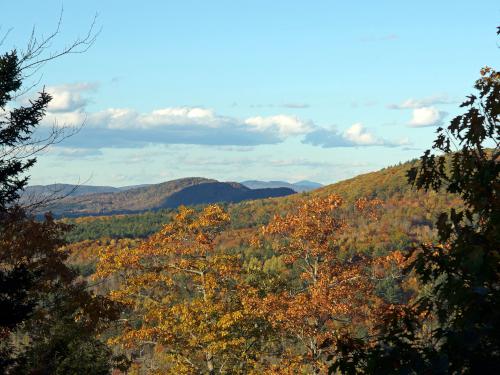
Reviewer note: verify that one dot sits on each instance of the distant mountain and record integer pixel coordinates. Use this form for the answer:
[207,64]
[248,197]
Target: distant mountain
[170,194]
[310,185]
[213,192]
[63,190]
[297,186]
[34,192]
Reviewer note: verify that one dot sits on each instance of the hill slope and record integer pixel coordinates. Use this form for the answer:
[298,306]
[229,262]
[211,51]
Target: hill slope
[214,192]
[170,194]
[407,215]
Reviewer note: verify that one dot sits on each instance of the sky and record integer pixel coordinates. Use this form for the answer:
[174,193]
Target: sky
[239,90]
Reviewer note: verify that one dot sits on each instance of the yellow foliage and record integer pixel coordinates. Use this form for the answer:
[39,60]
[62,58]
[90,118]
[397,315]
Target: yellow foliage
[179,287]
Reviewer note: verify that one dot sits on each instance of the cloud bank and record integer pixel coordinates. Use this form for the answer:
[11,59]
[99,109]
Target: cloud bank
[413,103]
[123,127]
[128,128]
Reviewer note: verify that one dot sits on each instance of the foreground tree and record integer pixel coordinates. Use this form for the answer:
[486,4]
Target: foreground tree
[49,321]
[332,291]
[183,298]
[464,272]
[48,317]
[452,326]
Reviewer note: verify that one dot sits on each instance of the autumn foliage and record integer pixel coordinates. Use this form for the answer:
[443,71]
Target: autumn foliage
[181,294]
[333,292]
[195,307]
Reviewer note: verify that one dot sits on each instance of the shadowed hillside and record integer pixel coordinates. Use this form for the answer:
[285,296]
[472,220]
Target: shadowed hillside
[132,200]
[213,192]
[171,194]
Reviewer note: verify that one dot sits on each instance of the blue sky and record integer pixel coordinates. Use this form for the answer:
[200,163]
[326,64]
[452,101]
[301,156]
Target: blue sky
[235,90]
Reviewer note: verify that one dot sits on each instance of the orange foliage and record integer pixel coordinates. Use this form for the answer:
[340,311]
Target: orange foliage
[334,293]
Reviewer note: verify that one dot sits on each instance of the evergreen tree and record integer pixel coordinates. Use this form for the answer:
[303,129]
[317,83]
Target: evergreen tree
[48,319]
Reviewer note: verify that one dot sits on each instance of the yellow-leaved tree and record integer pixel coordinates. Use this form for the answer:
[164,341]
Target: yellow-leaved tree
[182,292]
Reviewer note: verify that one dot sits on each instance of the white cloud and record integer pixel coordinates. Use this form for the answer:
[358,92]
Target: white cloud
[358,135]
[190,117]
[285,125]
[69,97]
[64,119]
[354,136]
[114,118]
[124,127]
[413,103]
[179,116]
[128,128]
[424,112]
[77,153]
[426,116]
[296,105]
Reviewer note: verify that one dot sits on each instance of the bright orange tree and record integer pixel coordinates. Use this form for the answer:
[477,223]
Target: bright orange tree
[181,292]
[333,291]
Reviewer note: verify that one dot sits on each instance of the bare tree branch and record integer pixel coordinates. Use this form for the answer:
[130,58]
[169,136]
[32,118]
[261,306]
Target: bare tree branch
[38,52]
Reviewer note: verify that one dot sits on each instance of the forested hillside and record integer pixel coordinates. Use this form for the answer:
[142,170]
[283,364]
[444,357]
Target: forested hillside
[58,190]
[414,209]
[170,194]
[349,278]
[251,261]
[138,199]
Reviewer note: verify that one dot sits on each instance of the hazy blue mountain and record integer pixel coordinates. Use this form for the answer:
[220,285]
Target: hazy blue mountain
[297,186]
[311,185]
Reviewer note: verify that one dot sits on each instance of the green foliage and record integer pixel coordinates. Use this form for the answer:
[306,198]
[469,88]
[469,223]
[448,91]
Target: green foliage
[16,278]
[65,342]
[16,128]
[117,226]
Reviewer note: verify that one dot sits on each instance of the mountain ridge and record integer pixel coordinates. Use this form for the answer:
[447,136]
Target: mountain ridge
[169,194]
[59,189]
